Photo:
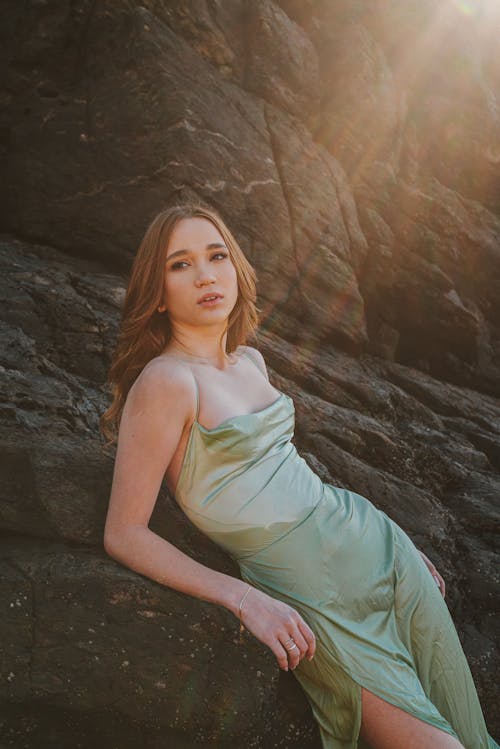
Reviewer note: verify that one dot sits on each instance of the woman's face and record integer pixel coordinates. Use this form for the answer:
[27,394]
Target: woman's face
[198,263]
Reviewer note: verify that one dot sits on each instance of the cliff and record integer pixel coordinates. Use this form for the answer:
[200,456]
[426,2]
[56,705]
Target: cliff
[354,150]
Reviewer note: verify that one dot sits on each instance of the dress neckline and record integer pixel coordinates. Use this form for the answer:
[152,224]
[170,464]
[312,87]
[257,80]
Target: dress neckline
[223,424]
[238,416]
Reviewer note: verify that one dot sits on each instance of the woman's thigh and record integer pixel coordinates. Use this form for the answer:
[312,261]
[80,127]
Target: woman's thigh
[385,726]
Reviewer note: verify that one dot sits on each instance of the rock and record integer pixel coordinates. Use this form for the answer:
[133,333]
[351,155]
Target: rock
[85,634]
[282,64]
[362,184]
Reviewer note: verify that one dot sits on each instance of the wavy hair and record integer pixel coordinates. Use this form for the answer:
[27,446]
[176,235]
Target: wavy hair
[144,332]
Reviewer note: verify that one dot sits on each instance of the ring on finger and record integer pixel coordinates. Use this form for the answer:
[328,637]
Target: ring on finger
[292,648]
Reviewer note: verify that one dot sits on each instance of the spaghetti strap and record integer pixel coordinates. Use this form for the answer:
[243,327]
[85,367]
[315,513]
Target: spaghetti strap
[197,398]
[251,357]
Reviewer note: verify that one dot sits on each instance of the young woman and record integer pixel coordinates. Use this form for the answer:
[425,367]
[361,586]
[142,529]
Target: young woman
[330,584]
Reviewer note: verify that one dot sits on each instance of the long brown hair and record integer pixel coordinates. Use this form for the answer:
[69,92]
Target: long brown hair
[144,332]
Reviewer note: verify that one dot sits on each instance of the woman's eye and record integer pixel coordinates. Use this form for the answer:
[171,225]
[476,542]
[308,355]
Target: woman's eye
[179,263]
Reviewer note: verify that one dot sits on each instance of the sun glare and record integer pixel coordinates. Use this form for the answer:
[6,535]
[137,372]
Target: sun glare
[477,8]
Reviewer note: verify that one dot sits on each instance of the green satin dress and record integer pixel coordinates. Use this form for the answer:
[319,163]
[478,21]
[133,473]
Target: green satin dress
[353,574]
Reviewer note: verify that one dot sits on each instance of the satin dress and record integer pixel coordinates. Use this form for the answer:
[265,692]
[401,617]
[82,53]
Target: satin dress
[352,573]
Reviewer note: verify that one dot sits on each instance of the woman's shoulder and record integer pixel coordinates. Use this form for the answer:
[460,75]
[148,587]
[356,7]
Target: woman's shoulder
[164,374]
[255,355]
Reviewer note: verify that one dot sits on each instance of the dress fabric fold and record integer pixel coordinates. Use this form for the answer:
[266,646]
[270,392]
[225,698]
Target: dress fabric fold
[353,574]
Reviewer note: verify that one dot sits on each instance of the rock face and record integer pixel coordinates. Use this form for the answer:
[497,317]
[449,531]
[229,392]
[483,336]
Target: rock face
[354,150]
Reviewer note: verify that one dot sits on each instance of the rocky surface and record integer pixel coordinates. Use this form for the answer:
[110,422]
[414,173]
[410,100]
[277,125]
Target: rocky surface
[354,151]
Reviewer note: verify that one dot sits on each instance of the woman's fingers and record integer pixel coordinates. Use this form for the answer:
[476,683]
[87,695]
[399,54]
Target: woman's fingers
[280,653]
[435,574]
[293,654]
[279,626]
[442,585]
[294,637]
[299,633]
[309,638]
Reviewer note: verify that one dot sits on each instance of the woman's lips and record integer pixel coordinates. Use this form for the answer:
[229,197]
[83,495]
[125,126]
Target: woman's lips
[211,302]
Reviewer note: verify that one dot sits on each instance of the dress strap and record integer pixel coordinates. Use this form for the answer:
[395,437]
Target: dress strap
[253,360]
[197,398]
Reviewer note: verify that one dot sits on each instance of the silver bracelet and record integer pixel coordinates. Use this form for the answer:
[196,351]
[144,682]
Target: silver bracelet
[239,611]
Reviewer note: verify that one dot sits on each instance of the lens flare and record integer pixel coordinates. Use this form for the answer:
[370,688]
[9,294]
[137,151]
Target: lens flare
[476,8]
[466,7]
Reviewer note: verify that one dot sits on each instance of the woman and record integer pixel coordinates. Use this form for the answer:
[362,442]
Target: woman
[330,584]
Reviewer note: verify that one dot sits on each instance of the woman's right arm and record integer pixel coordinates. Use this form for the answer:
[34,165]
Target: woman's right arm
[155,413]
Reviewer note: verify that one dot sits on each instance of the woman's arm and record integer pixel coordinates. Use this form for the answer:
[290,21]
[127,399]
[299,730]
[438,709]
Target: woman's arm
[145,552]
[151,426]
[157,408]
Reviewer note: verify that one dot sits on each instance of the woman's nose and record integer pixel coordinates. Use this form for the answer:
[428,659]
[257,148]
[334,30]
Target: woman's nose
[205,275]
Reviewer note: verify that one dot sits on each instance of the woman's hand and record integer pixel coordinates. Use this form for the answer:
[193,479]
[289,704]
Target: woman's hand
[435,574]
[278,626]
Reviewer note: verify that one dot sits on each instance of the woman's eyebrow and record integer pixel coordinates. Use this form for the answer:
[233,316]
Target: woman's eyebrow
[210,246]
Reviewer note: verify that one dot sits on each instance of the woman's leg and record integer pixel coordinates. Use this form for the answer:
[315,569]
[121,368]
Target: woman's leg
[427,630]
[385,726]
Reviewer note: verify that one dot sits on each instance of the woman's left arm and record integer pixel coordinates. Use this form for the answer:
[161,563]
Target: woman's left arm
[435,574]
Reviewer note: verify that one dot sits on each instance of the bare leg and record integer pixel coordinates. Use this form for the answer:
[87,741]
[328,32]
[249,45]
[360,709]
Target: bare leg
[385,726]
